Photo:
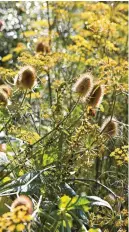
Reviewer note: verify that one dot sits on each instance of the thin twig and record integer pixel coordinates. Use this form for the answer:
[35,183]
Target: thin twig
[95,181]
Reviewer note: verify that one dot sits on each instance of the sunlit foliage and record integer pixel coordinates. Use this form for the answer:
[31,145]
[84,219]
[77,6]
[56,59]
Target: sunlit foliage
[63,144]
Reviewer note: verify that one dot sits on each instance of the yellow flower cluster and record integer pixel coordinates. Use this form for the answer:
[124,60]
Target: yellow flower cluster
[16,220]
[39,61]
[120,155]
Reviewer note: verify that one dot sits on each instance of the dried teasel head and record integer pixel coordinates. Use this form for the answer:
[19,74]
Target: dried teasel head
[26,77]
[43,48]
[92,112]
[1,25]
[84,85]
[1,81]
[109,127]
[3,98]
[96,96]
[2,147]
[6,89]
[23,200]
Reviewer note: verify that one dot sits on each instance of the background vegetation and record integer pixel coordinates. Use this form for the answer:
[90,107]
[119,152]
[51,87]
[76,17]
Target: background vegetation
[75,176]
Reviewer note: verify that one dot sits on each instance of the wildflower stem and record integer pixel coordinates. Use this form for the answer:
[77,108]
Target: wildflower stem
[50,89]
[95,181]
[38,205]
[48,74]
[57,126]
[24,96]
[9,120]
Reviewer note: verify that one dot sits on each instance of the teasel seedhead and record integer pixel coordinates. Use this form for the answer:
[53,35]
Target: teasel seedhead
[6,89]
[26,77]
[1,25]
[2,82]
[92,112]
[2,147]
[43,48]
[84,85]
[3,98]
[96,96]
[109,127]
[23,200]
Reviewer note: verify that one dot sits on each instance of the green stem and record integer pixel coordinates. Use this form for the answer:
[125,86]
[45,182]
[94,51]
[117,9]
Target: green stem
[56,127]
[95,181]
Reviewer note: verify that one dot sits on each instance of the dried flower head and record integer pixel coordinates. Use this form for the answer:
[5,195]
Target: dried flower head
[26,77]
[23,200]
[1,25]
[110,127]
[92,112]
[42,47]
[6,89]
[96,96]
[84,85]
[1,81]
[3,98]
[2,147]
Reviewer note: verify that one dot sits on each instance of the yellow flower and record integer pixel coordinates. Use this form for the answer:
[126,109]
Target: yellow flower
[117,149]
[28,217]
[20,207]
[20,227]
[7,215]
[21,214]
[1,224]
[8,223]
[16,220]
[11,228]
[120,152]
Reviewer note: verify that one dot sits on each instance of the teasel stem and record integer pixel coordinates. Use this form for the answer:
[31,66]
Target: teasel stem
[9,120]
[23,99]
[97,167]
[114,102]
[49,25]
[48,73]
[49,88]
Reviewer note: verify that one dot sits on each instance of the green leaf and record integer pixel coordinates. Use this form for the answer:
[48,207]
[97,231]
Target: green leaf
[78,201]
[83,229]
[64,202]
[94,230]
[73,203]
[101,108]
[99,202]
